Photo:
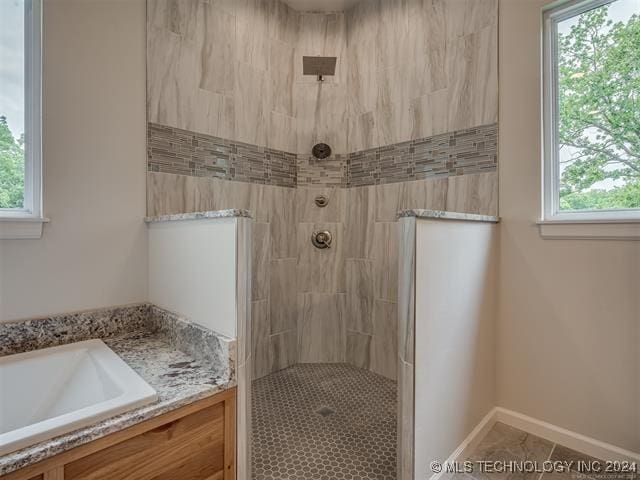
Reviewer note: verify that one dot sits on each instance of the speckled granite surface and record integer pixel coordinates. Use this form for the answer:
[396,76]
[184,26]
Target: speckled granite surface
[24,336]
[444,215]
[233,212]
[182,361]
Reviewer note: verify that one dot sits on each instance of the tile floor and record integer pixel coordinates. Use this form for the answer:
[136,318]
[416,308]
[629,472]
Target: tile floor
[324,421]
[505,443]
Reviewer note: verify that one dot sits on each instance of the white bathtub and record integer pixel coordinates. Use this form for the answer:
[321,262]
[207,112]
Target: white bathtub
[49,392]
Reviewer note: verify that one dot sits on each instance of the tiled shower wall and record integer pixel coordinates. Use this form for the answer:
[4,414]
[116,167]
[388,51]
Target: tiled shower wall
[233,69]
[411,119]
[418,69]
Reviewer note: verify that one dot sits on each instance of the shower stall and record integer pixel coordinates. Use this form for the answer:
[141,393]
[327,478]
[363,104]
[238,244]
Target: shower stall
[322,125]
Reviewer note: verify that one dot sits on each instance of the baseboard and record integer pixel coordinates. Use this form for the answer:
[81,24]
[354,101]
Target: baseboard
[581,443]
[468,444]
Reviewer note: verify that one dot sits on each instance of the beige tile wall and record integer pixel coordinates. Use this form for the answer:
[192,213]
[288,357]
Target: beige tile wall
[233,69]
[333,305]
[418,69]
[321,277]
[371,255]
[274,259]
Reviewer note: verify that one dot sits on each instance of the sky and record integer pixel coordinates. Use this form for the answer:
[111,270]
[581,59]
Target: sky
[619,11]
[12,64]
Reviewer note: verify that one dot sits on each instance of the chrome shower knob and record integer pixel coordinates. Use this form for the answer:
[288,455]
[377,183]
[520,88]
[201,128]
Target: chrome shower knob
[321,239]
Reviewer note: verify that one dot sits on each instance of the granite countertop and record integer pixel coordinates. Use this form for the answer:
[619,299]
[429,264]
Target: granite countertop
[152,351]
[229,213]
[445,215]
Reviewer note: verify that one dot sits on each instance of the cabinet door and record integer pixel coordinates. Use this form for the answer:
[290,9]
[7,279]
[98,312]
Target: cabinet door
[190,448]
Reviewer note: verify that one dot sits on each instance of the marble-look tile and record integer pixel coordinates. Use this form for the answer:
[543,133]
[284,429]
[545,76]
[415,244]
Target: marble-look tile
[393,36]
[168,194]
[216,39]
[284,350]
[321,270]
[393,107]
[428,47]
[320,115]
[281,72]
[170,63]
[361,84]
[464,17]
[259,201]
[565,454]
[252,104]
[182,89]
[563,475]
[282,221]
[473,70]
[406,402]
[388,201]
[359,295]
[475,193]
[360,217]
[260,337]
[505,443]
[430,114]
[358,346]
[217,194]
[284,22]
[282,286]
[321,327]
[252,28]
[260,261]
[406,231]
[384,341]
[362,132]
[308,211]
[385,261]
[430,194]
[282,132]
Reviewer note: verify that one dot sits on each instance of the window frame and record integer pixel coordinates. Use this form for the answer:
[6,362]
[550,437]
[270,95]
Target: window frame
[27,222]
[551,213]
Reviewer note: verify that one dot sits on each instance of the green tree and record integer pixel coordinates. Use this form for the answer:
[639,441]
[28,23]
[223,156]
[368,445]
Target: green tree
[599,107]
[11,168]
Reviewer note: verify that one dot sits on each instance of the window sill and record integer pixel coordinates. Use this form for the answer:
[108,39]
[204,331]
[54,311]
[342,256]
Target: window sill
[592,229]
[21,227]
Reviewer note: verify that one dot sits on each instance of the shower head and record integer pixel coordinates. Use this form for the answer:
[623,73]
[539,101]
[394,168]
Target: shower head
[319,66]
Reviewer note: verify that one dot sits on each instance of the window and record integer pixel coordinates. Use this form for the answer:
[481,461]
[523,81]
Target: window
[592,112]
[20,152]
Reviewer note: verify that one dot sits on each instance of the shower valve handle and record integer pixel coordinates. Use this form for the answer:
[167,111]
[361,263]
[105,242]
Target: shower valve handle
[321,239]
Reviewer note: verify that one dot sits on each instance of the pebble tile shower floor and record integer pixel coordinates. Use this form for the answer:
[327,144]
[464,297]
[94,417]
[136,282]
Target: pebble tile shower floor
[324,421]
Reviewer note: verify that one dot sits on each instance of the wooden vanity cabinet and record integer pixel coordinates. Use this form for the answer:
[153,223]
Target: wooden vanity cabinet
[195,442]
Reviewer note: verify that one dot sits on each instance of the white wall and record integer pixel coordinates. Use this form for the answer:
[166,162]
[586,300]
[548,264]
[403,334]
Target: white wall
[93,253]
[454,335]
[569,315]
[192,270]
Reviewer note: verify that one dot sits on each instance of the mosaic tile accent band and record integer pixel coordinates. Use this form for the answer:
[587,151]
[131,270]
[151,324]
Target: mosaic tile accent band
[474,150]
[172,150]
